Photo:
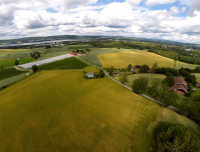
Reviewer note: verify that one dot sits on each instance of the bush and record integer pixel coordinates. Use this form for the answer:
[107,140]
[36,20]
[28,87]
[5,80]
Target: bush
[34,68]
[16,62]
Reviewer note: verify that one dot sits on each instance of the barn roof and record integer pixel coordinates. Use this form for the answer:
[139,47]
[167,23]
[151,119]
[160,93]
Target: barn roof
[179,87]
[179,80]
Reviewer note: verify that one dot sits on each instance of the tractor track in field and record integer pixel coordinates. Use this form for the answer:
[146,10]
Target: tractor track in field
[129,88]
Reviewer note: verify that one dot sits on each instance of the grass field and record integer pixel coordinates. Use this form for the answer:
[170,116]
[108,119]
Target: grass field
[11,50]
[12,80]
[172,117]
[197,76]
[9,72]
[92,57]
[69,63]
[179,64]
[11,62]
[132,77]
[59,111]
[122,59]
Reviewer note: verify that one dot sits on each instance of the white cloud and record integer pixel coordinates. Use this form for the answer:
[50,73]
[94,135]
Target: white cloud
[156,2]
[183,9]
[174,10]
[133,2]
[195,7]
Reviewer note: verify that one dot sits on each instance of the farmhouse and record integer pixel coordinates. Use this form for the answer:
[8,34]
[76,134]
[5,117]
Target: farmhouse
[90,75]
[180,86]
[136,68]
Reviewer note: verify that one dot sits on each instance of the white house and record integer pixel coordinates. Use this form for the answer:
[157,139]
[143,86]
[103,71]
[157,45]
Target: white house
[90,75]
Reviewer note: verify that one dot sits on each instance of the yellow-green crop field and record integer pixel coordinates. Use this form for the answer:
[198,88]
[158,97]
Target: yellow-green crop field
[172,117]
[11,50]
[179,65]
[122,59]
[60,111]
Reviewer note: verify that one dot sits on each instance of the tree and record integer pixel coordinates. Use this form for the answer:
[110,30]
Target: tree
[190,79]
[101,73]
[110,70]
[197,69]
[1,66]
[169,80]
[154,67]
[129,67]
[144,69]
[175,138]
[124,78]
[34,68]
[47,47]
[140,85]
[16,62]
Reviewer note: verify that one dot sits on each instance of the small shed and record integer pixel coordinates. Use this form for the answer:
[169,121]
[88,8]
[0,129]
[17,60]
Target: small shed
[198,85]
[116,73]
[90,75]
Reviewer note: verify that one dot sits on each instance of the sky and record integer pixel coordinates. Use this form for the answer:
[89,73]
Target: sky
[177,20]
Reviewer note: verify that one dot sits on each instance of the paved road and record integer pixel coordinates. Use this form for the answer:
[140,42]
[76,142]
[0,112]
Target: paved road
[129,88]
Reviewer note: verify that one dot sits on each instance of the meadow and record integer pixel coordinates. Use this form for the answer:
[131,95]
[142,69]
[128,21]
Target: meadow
[68,63]
[173,117]
[197,76]
[179,65]
[9,72]
[150,76]
[60,111]
[11,62]
[122,59]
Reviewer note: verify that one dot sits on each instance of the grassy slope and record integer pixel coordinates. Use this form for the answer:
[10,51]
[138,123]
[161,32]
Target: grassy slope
[122,59]
[69,63]
[9,72]
[197,76]
[132,77]
[179,64]
[172,117]
[59,111]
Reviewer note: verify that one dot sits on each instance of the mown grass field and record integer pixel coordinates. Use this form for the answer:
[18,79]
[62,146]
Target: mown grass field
[68,63]
[197,76]
[122,59]
[11,62]
[150,76]
[9,72]
[172,117]
[60,111]
[179,65]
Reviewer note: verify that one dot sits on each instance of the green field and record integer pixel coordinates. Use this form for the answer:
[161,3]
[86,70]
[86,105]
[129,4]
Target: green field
[132,77]
[122,59]
[11,62]
[172,117]
[197,76]
[68,63]
[9,72]
[60,111]
[179,65]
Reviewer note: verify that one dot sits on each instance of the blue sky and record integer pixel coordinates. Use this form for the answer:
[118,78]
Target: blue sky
[177,20]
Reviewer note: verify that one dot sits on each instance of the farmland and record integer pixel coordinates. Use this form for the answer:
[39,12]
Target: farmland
[132,77]
[64,112]
[9,72]
[11,62]
[179,64]
[122,59]
[68,63]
